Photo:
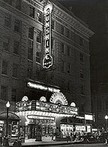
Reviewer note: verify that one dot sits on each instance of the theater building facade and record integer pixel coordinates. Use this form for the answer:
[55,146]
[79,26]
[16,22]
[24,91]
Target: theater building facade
[44,49]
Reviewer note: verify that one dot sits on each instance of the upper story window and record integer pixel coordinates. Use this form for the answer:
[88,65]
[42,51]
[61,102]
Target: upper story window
[39,35]
[32,11]
[39,16]
[18,4]
[4,93]
[62,29]
[81,57]
[17,26]
[81,41]
[81,74]
[38,53]
[68,67]
[68,50]
[15,70]
[5,67]
[30,49]
[67,32]
[29,71]
[62,66]
[16,47]
[62,48]
[7,20]
[14,95]
[6,41]
[31,32]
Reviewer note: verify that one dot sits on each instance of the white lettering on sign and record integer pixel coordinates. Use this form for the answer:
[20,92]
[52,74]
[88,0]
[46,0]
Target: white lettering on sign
[47,60]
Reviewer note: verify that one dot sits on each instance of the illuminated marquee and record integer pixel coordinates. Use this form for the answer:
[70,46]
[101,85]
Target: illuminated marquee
[47,60]
[58,98]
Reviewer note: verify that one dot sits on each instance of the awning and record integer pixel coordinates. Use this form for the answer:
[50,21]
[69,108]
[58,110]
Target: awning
[11,116]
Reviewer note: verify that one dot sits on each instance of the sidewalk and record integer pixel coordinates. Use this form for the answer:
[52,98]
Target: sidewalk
[45,143]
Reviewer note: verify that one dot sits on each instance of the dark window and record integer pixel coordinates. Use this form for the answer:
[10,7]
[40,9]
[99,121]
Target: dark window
[4,67]
[32,12]
[62,66]
[81,57]
[29,72]
[13,96]
[31,32]
[39,16]
[17,26]
[15,70]
[18,4]
[81,75]
[7,20]
[6,43]
[16,47]
[38,57]
[62,29]
[39,34]
[62,48]
[68,50]
[106,104]
[68,67]
[67,32]
[81,41]
[4,92]
[30,49]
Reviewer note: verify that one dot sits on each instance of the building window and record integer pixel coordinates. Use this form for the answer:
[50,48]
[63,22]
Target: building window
[4,92]
[39,16]
[31,32]
[62,48]
[68,50]
[4,67]
[18,4]
[67,32]
[62,66]
[38,57]
[32,12]
[6,43]
[39,34]
[7,20]
[15,70]
[81,57]
[17,26]
[16,47]
[13,95]
[81,41]
[68,67]
[30,49]
[106,103]
[81,74]
[62,29]
[29,72]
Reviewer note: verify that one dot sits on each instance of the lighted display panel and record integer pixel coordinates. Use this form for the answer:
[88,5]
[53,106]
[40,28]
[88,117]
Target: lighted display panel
[47,60]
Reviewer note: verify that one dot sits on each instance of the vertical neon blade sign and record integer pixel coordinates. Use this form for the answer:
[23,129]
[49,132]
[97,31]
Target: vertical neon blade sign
[47,60]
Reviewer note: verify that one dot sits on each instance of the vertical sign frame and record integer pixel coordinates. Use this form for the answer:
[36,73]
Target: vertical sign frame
[47,59]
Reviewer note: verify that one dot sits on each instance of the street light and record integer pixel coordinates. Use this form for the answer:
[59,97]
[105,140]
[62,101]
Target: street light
[106,117]
[6,143]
